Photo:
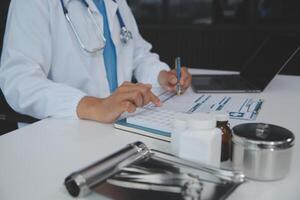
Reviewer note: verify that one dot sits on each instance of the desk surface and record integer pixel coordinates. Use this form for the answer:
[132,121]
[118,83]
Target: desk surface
[34,160]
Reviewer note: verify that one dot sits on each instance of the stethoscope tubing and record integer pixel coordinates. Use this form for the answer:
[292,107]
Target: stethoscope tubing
[125,34]
[121,21]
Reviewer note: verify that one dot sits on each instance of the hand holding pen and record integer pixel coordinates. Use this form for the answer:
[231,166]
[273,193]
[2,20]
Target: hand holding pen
[176,79]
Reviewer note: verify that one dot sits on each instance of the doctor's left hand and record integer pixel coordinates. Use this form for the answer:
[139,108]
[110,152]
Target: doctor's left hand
[126,98]
[168,79]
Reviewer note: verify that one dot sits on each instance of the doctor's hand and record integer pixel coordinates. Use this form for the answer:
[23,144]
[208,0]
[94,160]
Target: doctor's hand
[168,79]
[126,98]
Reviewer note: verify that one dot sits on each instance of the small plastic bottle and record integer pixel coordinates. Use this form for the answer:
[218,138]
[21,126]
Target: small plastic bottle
[223,125]
[179,126]
[201,142]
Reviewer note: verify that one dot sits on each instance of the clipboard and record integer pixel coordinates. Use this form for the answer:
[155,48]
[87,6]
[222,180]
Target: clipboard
[148,132]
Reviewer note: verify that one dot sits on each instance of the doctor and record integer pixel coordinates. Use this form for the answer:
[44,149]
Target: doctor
[76,58]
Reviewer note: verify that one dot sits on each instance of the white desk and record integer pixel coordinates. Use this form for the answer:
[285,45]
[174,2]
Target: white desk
[34,160]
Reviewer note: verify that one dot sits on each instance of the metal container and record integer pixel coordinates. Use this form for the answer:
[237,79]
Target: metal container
[262,151]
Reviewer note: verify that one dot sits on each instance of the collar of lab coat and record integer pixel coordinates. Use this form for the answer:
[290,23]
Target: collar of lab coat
[111,10]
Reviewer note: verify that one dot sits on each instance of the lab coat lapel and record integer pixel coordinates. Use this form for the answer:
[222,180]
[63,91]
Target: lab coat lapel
[94,10]
[111,10]
[99,20]
[114,26]
[93,7]
[96,13]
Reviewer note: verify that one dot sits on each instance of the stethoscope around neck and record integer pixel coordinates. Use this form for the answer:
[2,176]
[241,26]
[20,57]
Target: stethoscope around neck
[125,34]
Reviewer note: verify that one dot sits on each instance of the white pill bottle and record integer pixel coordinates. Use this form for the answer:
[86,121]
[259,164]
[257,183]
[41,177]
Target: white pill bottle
[179,127]
[201,141]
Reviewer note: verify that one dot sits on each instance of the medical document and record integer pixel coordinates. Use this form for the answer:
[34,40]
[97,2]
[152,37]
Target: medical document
[159,120]
[237,106]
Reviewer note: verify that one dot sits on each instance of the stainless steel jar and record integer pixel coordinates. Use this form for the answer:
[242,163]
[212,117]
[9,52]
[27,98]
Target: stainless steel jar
[262,151]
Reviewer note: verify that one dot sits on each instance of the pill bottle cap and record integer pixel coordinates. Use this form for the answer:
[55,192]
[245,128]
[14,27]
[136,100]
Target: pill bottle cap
[180,121]
[222,117]
[202,121]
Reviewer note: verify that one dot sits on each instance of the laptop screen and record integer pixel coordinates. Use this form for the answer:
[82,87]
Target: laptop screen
[269,59]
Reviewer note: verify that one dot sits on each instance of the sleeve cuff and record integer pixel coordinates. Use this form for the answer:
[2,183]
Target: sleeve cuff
[74,104]
[69,109]
[151,76]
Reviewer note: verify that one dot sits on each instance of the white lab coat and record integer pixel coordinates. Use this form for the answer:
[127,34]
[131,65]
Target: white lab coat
[45,73]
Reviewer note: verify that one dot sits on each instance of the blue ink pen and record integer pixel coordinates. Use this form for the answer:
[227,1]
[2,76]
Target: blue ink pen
[178,74]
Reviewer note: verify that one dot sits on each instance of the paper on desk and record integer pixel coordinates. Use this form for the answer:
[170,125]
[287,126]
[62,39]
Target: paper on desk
[237,106]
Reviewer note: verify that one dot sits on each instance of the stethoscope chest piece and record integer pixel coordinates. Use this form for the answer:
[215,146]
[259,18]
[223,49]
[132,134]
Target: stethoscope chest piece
[125,35]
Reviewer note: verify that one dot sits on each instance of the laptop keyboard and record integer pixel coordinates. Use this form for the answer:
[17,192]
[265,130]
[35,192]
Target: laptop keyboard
[221,82]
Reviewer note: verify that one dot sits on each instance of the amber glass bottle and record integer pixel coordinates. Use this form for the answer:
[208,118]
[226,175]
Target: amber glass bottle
[223,124]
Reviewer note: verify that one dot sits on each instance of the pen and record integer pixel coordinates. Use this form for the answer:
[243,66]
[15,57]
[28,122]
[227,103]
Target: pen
[178,74]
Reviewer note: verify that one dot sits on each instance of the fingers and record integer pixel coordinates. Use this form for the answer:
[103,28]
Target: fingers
[125,99]
[186,78]
[154,99]
[138,94]
[168,80]
[135,97]
[144,89]
[127,106]
[172,78]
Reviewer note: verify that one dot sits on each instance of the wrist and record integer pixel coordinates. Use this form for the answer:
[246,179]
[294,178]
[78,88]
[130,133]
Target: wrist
[87,107]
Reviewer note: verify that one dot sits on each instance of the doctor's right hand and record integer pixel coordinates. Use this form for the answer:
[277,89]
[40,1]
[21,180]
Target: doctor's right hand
[126,98]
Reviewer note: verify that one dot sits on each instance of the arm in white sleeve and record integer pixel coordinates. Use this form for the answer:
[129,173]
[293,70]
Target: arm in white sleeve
[26,61]
[146,64]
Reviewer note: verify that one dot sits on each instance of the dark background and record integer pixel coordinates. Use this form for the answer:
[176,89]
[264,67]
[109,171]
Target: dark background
[213,34]
[5,125]
[3,12]
[225,42]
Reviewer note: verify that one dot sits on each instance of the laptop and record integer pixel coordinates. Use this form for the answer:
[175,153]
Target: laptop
[270,58]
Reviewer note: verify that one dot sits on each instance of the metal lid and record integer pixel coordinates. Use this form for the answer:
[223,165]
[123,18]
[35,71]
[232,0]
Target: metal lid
[263,136]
